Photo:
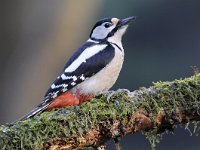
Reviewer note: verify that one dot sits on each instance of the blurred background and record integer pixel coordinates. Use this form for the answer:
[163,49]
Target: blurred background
[37,38]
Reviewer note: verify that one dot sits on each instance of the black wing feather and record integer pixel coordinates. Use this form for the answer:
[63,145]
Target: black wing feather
[92,65]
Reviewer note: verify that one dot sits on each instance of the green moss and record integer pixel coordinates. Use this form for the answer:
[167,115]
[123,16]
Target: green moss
[168,97]
[196,128]
[173,97]
[69,121]
[153,138]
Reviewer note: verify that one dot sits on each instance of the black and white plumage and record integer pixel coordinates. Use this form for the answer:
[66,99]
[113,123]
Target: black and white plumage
[94,67]
[85,63]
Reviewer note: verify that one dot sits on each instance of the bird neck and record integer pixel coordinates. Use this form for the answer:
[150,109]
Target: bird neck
[116,39]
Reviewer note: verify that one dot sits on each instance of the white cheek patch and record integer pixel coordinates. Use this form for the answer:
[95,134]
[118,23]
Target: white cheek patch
[101,32]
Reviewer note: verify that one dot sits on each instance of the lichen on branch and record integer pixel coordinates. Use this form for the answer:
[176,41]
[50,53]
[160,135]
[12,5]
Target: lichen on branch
[92,124]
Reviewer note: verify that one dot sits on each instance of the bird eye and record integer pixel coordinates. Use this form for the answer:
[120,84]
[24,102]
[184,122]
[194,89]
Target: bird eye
[107,25]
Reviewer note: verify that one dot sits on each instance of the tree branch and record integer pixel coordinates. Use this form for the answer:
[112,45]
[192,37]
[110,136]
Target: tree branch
[93,123]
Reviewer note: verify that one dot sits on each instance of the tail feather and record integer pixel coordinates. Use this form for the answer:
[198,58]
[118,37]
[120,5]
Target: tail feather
[66,99]
[40,108]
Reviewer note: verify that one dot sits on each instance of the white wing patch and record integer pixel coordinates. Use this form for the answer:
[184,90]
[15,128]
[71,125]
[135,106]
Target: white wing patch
[87,53]
[53,86]
[55,94]
[73,83]
[100,32]
[82,77]
[64,77]
[65,85]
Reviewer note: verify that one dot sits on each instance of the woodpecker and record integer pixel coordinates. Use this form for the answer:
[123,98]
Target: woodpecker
[92,69]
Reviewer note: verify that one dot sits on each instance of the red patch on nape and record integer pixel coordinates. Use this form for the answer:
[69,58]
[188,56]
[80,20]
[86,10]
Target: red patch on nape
[69,99]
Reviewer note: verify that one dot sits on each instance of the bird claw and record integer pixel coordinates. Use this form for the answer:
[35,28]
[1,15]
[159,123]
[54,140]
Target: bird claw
[109,96]
[117,103]
[111,93]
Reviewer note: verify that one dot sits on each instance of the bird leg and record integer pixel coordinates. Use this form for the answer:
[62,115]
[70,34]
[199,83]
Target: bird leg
[111,93]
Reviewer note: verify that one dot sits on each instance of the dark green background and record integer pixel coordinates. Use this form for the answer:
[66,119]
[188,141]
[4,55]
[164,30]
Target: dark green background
[161,44]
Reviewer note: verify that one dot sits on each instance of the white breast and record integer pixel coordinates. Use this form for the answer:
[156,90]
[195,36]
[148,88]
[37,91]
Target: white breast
[105,79]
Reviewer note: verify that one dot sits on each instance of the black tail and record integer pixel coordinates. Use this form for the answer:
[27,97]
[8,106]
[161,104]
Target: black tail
[40,108]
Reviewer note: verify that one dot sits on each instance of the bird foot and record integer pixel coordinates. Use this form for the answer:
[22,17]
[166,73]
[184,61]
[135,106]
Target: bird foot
[109,94]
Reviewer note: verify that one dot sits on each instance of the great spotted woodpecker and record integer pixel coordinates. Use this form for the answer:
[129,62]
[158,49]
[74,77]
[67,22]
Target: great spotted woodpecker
[92,69]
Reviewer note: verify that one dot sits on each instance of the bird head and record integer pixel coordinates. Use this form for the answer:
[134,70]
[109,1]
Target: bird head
[110,29]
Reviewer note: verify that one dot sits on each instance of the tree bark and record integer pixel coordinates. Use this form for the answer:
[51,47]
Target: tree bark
[150,110]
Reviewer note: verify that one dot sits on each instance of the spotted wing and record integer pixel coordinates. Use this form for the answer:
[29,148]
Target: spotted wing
[82,65]
[80,69]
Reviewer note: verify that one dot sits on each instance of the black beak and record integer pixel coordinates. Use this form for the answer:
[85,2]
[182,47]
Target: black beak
[125,21]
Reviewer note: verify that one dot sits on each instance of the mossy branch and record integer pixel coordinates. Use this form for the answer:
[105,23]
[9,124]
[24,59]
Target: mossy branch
[92,124]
